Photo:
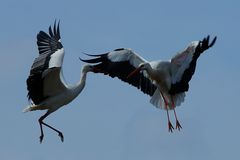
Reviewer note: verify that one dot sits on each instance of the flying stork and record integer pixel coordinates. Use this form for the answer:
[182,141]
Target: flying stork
[165,81]
[46,87]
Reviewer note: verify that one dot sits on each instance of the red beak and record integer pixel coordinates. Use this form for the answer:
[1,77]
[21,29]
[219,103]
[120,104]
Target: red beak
[134,72]
[96,70]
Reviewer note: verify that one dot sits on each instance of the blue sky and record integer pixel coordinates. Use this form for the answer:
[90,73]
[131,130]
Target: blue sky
[110,119]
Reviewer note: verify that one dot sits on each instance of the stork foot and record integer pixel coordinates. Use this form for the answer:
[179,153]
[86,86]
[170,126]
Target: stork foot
[170,127]
[178,125]
[41,138]
[61,136]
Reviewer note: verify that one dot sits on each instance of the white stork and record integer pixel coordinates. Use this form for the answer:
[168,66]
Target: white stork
[165,81]
[47,89]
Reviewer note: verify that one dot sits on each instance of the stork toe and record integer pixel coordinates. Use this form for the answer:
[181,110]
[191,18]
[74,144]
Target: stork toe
[178,125]
[41,138]
[61,136]
[170,127]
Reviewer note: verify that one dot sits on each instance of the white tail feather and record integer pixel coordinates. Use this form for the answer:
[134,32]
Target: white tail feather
[179,98]
[32,108]
[27,109]
[157,100]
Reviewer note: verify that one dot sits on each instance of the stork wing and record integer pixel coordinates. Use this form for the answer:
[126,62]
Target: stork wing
[44,79]
[120,63]
[184,64]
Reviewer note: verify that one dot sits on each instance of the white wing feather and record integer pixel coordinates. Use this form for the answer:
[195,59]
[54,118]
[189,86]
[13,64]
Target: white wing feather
[57,58]
[181,61]
[126,55]
[53,81]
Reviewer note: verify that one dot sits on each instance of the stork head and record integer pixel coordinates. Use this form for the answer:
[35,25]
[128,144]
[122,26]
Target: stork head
[90,68]
[143,66]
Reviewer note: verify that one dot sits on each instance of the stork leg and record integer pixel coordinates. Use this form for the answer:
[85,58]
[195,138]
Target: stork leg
[178,125]
[40,120]
[170,126]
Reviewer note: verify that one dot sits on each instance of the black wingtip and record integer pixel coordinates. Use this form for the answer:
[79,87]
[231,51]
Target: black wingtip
[80,59]
[86,60]
[50,31]
[206,39]
[55,30]
[205,44]
[95,60]
[92,55]
[213,41]
[58,29]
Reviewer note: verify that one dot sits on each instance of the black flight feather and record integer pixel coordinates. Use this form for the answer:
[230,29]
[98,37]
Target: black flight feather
[183,85]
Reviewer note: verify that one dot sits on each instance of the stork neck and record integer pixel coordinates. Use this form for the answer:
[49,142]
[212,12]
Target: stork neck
[82,81]
[80,85]
[149,70]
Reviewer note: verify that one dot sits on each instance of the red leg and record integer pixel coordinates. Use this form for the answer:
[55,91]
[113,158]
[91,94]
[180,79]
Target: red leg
[170,126]
[178,126]
[164,99]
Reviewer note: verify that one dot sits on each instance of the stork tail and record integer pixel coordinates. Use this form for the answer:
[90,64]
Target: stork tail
[32,108]
[158,101]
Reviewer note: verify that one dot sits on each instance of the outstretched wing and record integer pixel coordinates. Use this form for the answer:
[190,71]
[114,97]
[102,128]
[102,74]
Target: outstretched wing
[184,64]
[44,79]
[120,63]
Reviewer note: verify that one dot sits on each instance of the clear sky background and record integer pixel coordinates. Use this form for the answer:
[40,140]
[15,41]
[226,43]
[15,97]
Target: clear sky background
[110,119]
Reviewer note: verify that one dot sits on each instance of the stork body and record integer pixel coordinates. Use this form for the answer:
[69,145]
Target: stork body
[47,89]
[165,81]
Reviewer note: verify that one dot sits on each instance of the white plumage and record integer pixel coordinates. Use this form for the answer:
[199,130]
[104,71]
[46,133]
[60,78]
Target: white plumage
[46,86]
[165,81]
